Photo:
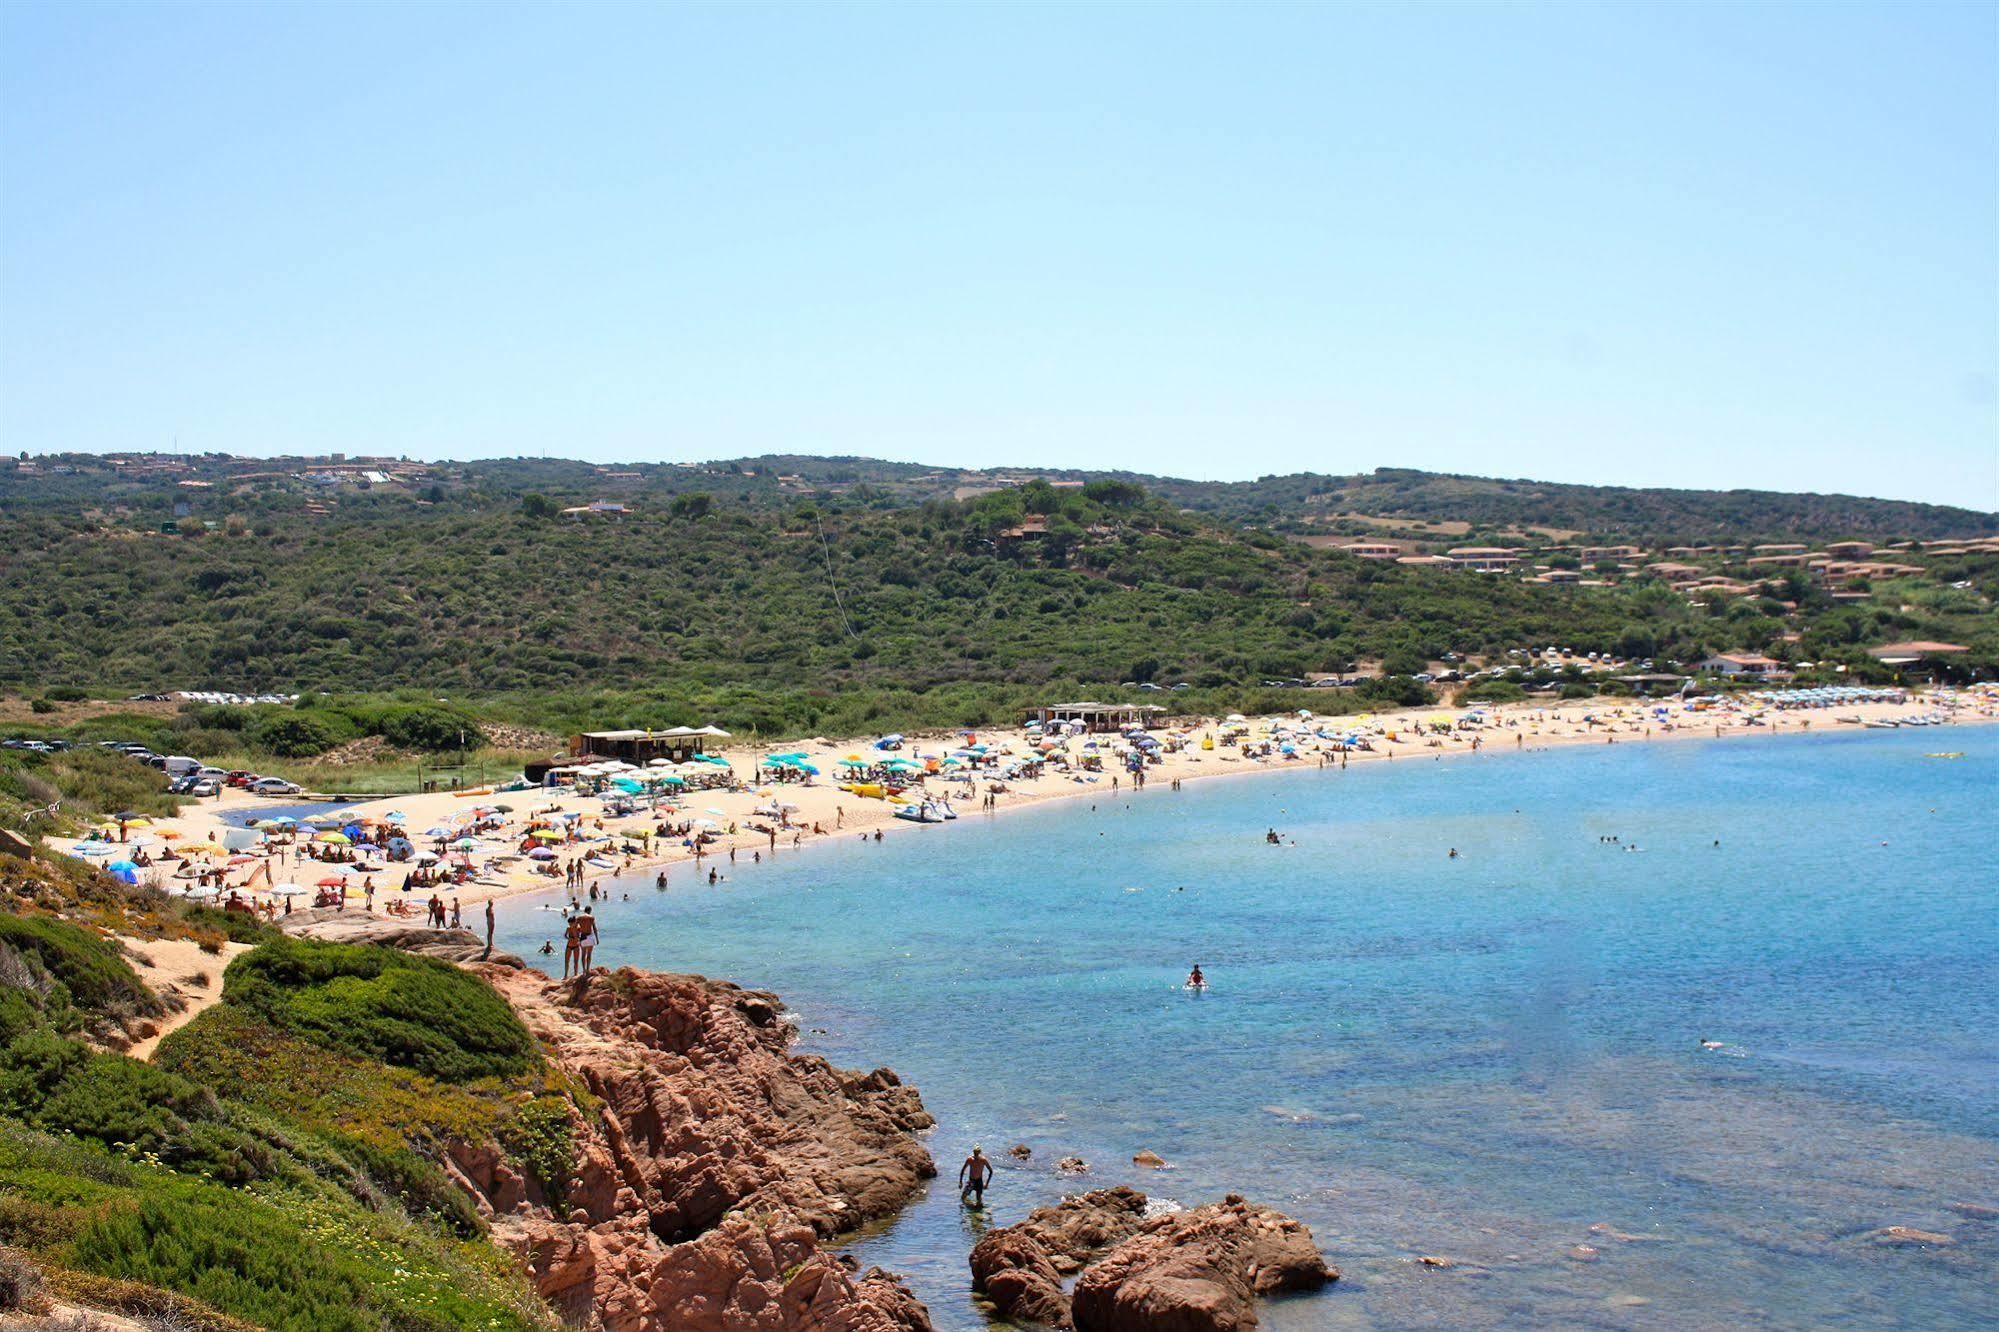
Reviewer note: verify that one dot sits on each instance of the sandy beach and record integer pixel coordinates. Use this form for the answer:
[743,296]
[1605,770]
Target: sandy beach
[819,809]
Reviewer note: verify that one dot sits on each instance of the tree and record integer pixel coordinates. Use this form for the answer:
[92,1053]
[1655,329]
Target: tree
[691,507]
[536,505]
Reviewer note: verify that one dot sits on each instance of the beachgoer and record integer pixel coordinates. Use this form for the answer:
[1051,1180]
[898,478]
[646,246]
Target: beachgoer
[586,940]
[569,930]
[1195,980]
[489,929]
[973,1177]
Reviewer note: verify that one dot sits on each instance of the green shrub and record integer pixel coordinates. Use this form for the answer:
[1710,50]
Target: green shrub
[294,736]
[432,729]
[97,977]
[543,1138]
[414,1012]
[41,706]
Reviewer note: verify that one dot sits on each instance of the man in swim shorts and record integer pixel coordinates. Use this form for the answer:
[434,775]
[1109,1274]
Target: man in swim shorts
[973,1176]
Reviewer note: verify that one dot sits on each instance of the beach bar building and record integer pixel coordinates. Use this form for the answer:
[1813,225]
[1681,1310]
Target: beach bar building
[1099,716]
[677,744]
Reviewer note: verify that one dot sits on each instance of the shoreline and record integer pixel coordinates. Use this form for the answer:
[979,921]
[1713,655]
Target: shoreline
[1402,734]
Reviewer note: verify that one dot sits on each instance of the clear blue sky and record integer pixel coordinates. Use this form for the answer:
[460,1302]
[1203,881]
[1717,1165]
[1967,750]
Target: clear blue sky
[1697,245]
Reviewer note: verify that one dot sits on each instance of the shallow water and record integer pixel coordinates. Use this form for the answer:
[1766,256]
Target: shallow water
[1479,1058]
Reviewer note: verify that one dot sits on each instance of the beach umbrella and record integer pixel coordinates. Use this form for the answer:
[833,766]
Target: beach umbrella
[171,833]
[465,844]
[288,890]
[546,835]
[439,831]
[200,893]
[331,881]
[120,866]
[328,819]
[503,809]
[243,860]
[334,839]
[426,857]
[542,853]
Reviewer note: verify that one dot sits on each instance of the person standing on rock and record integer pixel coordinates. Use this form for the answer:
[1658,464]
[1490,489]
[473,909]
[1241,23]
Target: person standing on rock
[973,1176]
[586,940]
[489,930]
[569,930]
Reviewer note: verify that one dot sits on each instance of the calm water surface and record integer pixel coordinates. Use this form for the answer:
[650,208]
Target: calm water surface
[1495,1059]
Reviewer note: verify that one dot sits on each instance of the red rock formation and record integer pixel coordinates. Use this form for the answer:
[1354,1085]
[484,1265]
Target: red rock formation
[710,1167]
[1194,1271]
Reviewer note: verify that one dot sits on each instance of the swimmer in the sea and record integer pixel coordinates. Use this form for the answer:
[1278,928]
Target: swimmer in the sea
[1195,980]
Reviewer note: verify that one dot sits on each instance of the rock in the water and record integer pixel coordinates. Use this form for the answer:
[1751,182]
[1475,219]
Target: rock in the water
[1584,1253]
[1200,1270]
[1020,1151]
[1148,1158]
[1073,1165]
[1908,1236]
[1974,1211]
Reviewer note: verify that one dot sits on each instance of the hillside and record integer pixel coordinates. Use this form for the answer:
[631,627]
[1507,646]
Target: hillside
[1362,503]
[862,607]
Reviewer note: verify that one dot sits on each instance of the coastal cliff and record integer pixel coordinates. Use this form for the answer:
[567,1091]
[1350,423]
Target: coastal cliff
[708,1163]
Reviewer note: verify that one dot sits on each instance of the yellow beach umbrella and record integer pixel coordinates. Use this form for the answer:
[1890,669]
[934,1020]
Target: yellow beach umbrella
[336,838]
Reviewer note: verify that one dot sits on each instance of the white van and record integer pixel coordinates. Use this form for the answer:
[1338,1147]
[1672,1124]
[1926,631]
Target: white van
[179,765]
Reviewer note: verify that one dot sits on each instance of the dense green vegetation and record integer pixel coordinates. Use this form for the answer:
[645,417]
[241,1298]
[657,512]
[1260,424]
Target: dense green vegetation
[79,784]
[413,1012]
[277,1165]
[543,486]
[803,619]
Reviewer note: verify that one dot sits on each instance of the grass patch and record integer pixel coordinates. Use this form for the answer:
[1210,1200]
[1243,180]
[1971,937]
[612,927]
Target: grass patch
[88,783]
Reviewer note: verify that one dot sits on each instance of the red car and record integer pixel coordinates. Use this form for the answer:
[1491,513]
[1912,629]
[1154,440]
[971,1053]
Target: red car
[239,779]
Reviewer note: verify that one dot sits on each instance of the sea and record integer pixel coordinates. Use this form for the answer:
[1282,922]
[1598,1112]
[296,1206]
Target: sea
[1676,1037]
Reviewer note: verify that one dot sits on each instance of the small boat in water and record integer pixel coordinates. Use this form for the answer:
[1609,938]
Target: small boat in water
[924,811]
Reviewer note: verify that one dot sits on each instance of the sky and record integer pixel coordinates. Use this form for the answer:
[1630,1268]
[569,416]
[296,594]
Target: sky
[1697,245]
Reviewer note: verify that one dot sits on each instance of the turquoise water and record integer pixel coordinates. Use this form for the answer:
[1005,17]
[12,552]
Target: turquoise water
[1479,1058]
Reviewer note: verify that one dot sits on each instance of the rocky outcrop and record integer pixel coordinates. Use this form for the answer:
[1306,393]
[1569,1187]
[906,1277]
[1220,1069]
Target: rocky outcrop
[708,1167]
[1200,1270]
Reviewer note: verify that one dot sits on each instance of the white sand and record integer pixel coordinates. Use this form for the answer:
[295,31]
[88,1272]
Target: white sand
[1509,728]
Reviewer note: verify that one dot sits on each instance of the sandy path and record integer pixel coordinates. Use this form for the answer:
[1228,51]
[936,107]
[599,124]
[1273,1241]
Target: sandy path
[177,967]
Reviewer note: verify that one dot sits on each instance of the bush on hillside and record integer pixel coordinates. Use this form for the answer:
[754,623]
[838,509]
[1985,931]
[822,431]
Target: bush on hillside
[414,1012]
[432,729]
[96,977]
[295,736]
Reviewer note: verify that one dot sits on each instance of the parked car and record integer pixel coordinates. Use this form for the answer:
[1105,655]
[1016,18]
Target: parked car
[274,786]
[205,786]
[239,778]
